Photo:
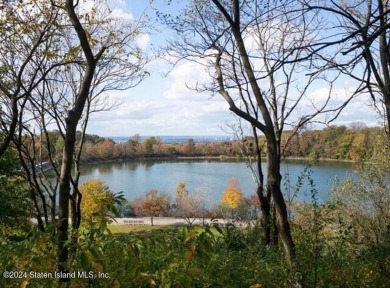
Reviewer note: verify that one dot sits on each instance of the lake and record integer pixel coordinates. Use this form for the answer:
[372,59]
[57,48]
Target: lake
[205,177]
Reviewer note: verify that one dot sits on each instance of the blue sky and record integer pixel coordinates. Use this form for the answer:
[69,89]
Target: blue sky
[164,106]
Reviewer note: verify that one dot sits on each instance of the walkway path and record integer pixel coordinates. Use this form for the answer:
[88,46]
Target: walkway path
[171,221]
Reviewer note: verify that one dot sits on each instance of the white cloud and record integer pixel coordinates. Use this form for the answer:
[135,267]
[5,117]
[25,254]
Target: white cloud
[117,4]
[358,109]
[118,8]
[121,14]
[184,76]
[164,106]
[143,41]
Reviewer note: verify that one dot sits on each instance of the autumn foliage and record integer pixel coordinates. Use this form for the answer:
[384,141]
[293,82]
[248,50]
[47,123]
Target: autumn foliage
[333,142]
[97,201]
[181,191]
[232,195]
[188,207]
[151,204]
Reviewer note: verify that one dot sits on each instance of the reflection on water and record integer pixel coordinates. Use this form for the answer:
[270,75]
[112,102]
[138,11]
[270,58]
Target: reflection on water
[206,177]
[109,167]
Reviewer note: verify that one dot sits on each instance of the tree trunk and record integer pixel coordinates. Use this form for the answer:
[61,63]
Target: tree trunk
[265,208]
[71,121]
[282,223]
[387,103]
[273,151]
[64,193]
[12,127]
[274,228]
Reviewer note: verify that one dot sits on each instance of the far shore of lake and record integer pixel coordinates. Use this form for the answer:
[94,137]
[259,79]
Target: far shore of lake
[221,158]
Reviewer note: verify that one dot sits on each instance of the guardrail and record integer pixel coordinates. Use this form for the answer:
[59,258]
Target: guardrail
[134,222]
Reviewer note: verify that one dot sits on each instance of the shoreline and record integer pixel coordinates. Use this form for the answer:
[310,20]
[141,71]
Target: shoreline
[220,158]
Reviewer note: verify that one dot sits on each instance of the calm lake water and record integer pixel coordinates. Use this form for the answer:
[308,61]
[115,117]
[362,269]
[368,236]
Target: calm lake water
[208,178]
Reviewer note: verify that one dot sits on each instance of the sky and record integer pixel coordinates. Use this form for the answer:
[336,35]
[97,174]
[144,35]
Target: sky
[164,106]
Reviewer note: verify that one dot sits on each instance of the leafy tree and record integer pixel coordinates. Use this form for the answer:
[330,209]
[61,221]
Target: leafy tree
[15,204]
[23,38]
[188,207]
[232,195]
[134,144]
[363,199]
[57,59]
[98,201]
[105,149]
[189,147]
[151,204]
[181,191]
[148,145]
[362,207]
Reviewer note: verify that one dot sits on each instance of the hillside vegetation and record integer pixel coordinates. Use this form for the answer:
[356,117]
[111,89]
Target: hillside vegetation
[334,142]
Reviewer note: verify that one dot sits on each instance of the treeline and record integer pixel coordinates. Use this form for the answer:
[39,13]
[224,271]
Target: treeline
[191,206]
[107,149]
[334,142]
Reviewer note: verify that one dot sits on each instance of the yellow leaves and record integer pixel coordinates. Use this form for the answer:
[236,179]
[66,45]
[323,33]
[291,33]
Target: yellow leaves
[181,191]
[96,201]
[191,251]
[49,54]
[92,41]
[232,195]
[73,53]
[25,284]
